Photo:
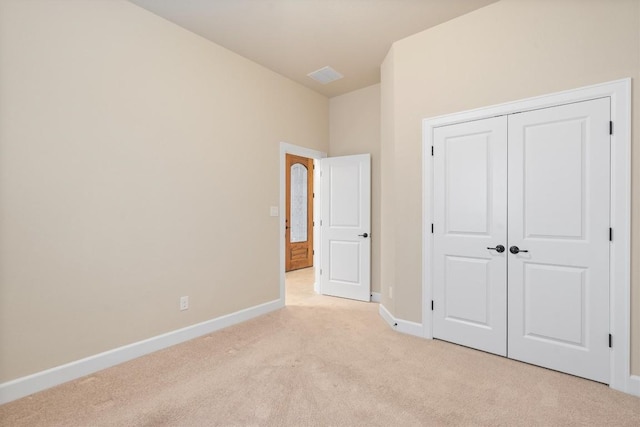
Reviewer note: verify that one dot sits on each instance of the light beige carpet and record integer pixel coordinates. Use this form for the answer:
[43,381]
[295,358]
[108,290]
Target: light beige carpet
[322,361]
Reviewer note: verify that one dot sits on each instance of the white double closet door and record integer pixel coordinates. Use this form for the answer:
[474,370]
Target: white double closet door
[536,184]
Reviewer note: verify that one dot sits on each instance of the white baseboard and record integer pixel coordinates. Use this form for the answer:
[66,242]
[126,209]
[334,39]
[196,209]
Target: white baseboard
[39,381]
[316,288]
[634,385]
[387,316]
[375,296]
[404,326]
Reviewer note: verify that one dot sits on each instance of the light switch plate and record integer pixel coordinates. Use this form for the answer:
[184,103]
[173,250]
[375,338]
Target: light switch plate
[273,211]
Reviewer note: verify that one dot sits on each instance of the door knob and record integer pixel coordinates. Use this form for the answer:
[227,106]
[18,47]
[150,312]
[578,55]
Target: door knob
[515,250]
[498,248]
[365,235]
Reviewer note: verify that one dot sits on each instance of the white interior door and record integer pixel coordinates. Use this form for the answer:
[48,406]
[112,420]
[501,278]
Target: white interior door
[559,212]
[346,227]
[470,216]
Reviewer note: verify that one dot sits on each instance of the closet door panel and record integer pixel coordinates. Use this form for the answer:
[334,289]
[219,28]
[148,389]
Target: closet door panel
[470,194]
[558,205]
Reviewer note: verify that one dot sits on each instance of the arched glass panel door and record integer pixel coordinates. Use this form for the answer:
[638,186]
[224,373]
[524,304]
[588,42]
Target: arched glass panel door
[299,213]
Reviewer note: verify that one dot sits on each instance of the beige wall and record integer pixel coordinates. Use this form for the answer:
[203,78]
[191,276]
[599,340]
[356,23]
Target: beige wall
[138,162]
[354,128]
[506,51]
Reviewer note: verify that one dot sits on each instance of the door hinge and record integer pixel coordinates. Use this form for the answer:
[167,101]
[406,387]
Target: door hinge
[610,234]
[432,150]
[610,341]
[431,305]
[610,128]
[431,228]
[321,272]
[320,223]
[313,251]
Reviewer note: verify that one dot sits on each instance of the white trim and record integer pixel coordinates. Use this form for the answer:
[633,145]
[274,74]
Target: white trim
[375,296]
[410,328]
[286,148]
[387,316]
[634,385]
[620,93]
[39,381]
[427,217]
[404,326]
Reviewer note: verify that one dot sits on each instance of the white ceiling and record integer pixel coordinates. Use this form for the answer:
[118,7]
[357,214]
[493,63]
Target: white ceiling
[296,37]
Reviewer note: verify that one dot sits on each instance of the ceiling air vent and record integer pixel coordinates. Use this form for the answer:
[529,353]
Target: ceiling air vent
[325,75]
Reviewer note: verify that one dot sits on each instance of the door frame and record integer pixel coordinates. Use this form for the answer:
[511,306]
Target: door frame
[287,148]
[620,210]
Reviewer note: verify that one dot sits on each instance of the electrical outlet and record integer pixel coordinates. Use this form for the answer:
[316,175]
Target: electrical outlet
[391,292]
[184,303]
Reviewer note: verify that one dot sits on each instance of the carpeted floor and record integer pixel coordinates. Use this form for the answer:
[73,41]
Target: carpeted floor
[322,361]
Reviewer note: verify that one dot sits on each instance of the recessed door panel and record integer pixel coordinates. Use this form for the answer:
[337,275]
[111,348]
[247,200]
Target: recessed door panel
[470,217]
[555,303]
[466,290]
[344,261]
[344,205]
[467,167]
[559,220]
[554,176]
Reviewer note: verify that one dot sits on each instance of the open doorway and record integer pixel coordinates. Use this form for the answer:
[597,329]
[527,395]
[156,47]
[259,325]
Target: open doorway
[303,261]
[342,249]
[299,224]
